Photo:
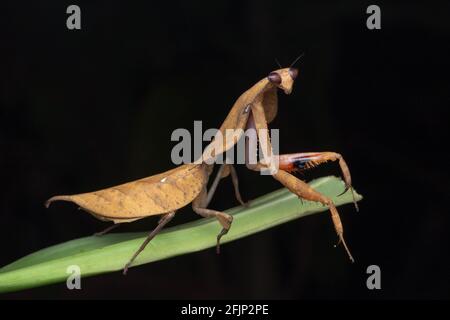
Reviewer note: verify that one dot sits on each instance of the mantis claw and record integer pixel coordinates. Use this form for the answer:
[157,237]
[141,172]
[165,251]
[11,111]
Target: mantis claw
[345,190]
[125,270]
[341,240]
[223,232]
[338,243]
[353,195]
[354,200]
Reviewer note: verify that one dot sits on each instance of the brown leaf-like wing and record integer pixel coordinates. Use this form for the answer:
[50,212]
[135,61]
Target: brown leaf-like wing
[158,194]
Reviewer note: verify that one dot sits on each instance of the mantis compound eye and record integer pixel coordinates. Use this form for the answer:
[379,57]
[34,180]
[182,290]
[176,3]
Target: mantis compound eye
[293,72]
[274,78]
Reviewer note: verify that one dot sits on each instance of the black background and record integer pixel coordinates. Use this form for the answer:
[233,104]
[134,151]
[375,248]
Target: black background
[87,109]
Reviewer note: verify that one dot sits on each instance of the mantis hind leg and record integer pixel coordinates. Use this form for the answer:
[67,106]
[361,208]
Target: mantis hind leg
[303,190]
[101,233]
[162,222]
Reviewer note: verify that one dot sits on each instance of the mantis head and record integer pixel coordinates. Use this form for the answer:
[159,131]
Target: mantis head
[283,78]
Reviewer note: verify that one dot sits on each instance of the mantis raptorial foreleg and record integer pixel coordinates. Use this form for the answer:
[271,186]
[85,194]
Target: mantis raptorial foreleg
[304,191]
[295,185]
[306,160]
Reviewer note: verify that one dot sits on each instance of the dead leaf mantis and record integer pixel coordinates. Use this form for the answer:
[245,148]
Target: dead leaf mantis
[164,193]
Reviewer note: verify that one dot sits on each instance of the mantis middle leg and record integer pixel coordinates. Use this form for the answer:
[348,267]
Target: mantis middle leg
[200,204]
[223,172]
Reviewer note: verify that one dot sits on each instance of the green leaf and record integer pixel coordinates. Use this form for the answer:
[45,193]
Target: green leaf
[95,255]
